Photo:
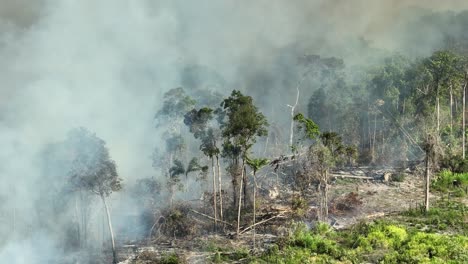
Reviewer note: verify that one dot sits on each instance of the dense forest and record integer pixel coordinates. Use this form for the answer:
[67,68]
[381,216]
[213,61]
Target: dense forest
[156,133]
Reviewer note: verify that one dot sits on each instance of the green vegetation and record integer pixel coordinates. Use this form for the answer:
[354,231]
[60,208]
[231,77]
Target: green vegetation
[447,181]
[375,242]
[150,257]
[445,216]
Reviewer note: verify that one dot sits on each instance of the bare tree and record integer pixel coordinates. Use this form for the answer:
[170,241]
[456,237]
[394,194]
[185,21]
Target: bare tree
[320,161]
[93,170]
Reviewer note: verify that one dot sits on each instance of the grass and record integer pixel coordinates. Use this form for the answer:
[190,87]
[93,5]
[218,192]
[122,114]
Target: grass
[443,216]
[397,240]
[446,181]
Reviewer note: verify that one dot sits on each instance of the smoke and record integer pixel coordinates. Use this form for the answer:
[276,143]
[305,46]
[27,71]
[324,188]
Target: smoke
[105,64]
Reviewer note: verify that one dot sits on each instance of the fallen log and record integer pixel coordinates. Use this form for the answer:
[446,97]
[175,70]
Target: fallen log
[259,223]
[353,177]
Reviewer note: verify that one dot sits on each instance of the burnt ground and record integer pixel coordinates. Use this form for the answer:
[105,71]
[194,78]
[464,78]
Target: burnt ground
[351,200]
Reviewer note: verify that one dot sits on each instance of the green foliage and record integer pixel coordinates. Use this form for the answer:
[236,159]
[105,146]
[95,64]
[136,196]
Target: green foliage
[175,143]
[177,223]
[306,125]
[171,258]
[193,166]
[299,206]
[432,248]
[150,257]
[177,169]
[455,163]
[378,242]
[398,177]
[256,164]
[244,122]
[448,181]
[333,141]
[176,104]
[197,120]
[198,123]
[443,216]
[92,168]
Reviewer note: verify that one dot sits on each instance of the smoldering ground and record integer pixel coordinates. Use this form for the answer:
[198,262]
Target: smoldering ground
[105,65]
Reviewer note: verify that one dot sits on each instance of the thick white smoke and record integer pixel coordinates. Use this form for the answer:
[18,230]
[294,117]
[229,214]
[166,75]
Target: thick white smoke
[105,64]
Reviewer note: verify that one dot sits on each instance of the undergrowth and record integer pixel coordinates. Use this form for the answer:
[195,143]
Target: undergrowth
[447,181]
[383,241]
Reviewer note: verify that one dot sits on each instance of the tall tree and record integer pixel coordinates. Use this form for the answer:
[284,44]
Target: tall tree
[321,160]
[445,70]
[93,170]
[198,123]
[243,125]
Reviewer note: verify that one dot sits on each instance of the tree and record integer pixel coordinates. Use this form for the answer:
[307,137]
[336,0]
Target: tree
[432,148]
[244,124]
[197,121]
[93,170]
[309,130]
[445,70]
[176,103]
[255,165]
[307,126]
[321,160]
[178,169]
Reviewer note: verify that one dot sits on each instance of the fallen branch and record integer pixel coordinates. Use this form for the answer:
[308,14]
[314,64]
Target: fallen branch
[154,225]
[212,218]
[353,177]
[259,223]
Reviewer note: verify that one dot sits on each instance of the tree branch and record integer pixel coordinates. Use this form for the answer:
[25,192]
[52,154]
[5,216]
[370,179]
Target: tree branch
[259,223]
[212,218]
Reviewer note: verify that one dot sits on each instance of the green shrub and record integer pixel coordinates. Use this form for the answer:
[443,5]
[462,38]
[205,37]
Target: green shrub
[172,259]
[378,242]
[455,164]
[447,181]
[434,248]
[299,206]
[398,177]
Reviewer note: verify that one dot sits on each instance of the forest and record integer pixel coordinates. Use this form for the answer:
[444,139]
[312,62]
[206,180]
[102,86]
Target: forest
[141,141]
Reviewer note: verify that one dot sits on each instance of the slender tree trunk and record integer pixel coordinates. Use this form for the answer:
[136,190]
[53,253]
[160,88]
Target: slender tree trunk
[214,194]
[373,138]
[323,217]
[235,183]
[438,115]
[218,169]
[427,179]
[77,219]
[293,107]
[451,109]
[326,196]
[84,223]
[171,195]
[382,129]
[109,223]
[240,200]
[254,206]
[246,182]
[404,106]
[463,121]
[14,220]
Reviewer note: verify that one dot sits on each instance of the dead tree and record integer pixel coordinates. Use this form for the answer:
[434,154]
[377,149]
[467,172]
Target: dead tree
[320,161]
[430,161]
